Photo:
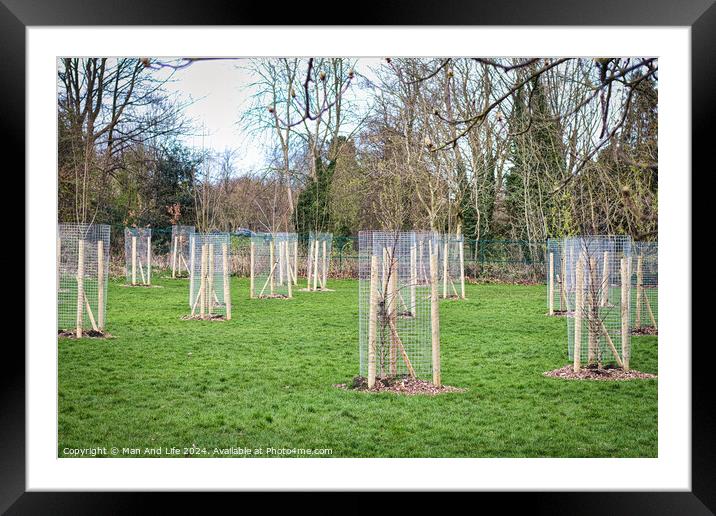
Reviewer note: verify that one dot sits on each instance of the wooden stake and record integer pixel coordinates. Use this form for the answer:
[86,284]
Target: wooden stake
[100,284]
[149,260]
[551,284]
[372,319]
[251,266]
[80,286]
[413,280]
[289,279]
[625,312]
[462,270]
[227,281]
[134,260]
[210,272]
[315,265]
[435,319]
[578,308]
[59,262]
[639,288]
[605,280]
[648,307]
[611,343]
[592,351]
[269,279]
[90,314]
[295,262]
[445,266]
[325,264]
[174,256]
[563,285]
[273,264]
[399,345]
[281,261]
[192,244]
[202,282]
[391,307]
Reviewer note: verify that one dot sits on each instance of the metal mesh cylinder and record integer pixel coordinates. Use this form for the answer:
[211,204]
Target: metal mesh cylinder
[209,288]
[180,249]
[556,266]
[598,296]
[645,286]
[271,266]
[82,273]
[318,259]
[138,256]
[452,280]
[395,321]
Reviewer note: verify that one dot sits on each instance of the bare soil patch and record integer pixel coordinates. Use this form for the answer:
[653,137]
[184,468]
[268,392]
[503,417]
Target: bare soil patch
[141,285]
[272,296]
[317,290]
[91,334]
[607,373]
[398,385]
[559,313]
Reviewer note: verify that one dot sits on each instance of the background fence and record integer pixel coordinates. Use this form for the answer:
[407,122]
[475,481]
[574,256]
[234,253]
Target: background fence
[509,261]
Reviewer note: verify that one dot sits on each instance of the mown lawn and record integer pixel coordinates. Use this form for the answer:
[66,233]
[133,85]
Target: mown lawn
[265,380]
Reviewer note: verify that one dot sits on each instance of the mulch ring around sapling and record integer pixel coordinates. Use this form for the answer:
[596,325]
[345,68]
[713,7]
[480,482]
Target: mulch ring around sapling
[140,285]
[592,372]
[91,334]
[211,317]
[645,330]
[272,296]
[398,385]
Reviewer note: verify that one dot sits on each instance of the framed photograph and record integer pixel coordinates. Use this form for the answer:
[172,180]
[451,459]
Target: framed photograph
[420,253]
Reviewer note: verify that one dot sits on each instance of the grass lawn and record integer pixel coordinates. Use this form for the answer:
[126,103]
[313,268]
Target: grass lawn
[265,380]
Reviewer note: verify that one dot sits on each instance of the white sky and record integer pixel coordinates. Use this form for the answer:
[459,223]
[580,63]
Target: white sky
[220,91]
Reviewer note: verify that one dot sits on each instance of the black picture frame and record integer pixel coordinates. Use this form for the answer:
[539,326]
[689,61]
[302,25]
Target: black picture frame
[700,15]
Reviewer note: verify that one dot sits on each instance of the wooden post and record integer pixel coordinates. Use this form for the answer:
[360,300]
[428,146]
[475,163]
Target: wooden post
[134,260]
[273,264]
[295,262]
[445,265]
[563,284]
[593,316]
[391,308]
[281,261]
[251,272]
[625,313]
[421,266]
[289,279]
[227,281]
[372,319]
[174,257]
[551,284]
[59,262]
[639,289]
[202,282]
[435,319]
[210,273]
[309,264]
[605,280]
[80,286]
[462,269]
[413,280]
[315,264]
[149,260]
[191,272]
[325,263]
[100,284]
[578,308]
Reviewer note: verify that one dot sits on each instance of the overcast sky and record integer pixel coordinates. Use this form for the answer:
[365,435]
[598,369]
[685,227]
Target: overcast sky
[220,91]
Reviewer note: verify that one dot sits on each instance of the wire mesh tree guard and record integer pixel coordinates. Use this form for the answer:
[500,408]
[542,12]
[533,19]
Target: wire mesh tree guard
[556,271]
[209,284]
[82,273]
[180,248]
[318,260]
[138,256]
[452,260]
[645,281]
[288,261]
[399,323]
[598,291]
[271,269]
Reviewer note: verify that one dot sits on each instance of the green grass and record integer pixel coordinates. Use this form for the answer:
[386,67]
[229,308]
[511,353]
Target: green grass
[265,379]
